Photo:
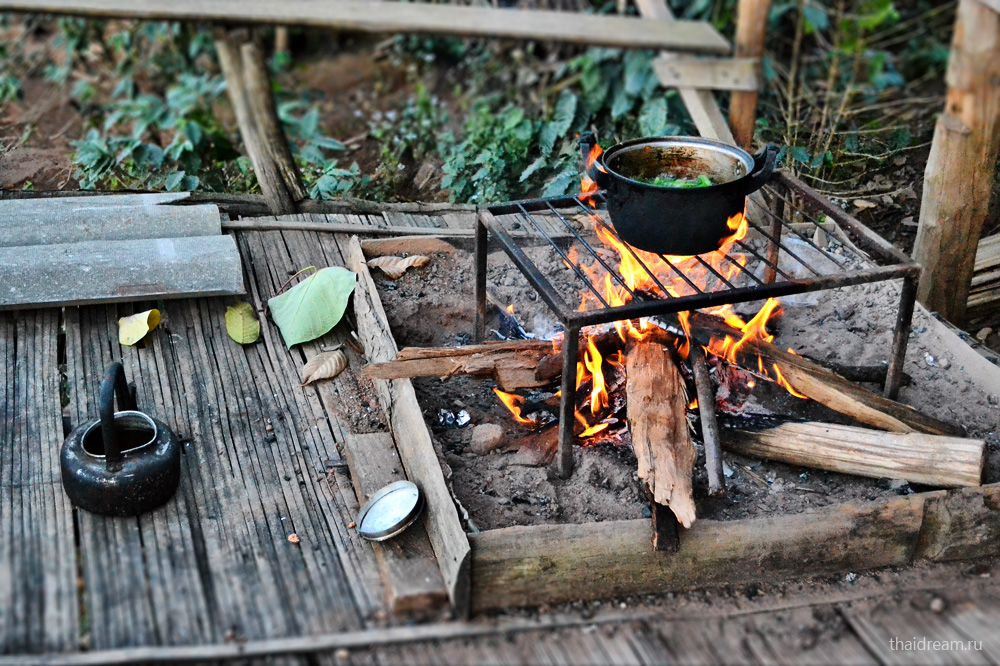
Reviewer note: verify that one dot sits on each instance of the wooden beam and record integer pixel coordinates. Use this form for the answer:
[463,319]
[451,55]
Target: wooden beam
[381,247]
[411,576]
[958,180]
[945,462]
[751,26]
[406,18]
[700,104]
[512,365]
[279,199]
[531,566]
[451,545]
[708,73]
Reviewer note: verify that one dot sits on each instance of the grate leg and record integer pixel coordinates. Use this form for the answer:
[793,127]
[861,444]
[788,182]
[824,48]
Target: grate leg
[900,338]
[482,243]
[567,405]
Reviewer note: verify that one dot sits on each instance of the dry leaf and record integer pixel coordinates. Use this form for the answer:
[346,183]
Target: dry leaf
[293,538]
[133,328]
[324,366]
[394,267]
[863,204]
[351,525]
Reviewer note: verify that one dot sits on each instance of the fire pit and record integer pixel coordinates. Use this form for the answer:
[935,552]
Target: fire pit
[771,254]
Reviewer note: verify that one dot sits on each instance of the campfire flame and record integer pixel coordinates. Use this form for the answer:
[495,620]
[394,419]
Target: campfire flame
[512,402]
[645,272]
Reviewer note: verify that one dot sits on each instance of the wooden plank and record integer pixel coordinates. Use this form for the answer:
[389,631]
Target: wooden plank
[978,623]
[22,224]
[528,566]
[450,542]
[958,179]
[916,457]
[109,271]
[961,524]
[988,251]
[38,591]
[411,574]
[407,18]
[708,73]
[700,104]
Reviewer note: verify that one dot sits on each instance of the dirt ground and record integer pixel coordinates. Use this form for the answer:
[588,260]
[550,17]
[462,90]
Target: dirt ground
[434,306]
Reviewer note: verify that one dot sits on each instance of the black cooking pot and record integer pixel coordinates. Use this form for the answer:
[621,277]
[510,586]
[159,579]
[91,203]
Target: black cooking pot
[671,220]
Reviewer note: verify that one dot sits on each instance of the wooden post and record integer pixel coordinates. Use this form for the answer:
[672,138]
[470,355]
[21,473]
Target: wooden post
[250,94]
[959,175]
[751,24]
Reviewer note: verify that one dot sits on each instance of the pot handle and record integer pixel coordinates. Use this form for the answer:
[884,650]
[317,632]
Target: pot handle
[114,384]
[763,166]
[595,170]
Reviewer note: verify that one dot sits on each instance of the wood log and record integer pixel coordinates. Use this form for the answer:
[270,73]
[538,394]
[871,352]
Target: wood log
[932,460]
[958,179]
[381,247]
[657,420]
[511,364]
[751,25]
[412,579]
[816,382]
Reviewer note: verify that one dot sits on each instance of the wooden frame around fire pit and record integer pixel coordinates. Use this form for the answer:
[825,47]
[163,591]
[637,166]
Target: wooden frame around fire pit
[547,564]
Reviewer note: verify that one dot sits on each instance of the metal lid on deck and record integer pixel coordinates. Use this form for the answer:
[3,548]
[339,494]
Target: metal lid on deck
[390,511]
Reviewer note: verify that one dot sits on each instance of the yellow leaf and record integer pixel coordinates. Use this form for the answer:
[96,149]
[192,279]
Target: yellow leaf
[394,267]
[133,328]
[242,324]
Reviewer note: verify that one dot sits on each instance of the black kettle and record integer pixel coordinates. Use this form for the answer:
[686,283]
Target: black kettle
[123,463]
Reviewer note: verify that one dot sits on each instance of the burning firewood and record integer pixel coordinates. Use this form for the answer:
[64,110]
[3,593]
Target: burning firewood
[657,407]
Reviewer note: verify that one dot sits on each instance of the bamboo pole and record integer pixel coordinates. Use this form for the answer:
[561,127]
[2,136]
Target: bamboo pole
[960,170]
[751,25]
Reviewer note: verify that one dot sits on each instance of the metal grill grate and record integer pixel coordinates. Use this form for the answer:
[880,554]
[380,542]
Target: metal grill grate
[780,256]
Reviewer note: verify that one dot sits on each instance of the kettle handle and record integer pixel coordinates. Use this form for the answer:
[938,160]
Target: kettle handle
[114,384]
[763,166]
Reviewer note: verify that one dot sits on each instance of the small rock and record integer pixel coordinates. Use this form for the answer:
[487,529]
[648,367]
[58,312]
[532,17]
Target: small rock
[845,312]
[944,363]
[851,577]
[486,437]
[929,360]
[727,471]
[937,605]
[342,655]
[269,428]
[351,525]
[983,334]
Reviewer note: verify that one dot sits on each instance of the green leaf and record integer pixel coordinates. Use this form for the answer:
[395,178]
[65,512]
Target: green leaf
[532,168]
[653,116]
[313,306]
[242,324]
[174,180]
[815,17]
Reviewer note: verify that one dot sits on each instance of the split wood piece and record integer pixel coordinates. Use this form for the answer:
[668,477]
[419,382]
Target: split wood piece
[708,73]
[381,247]
[751,26]
[822,385]
[529,566]
[241,70]
[511,364]
[24,222]
[407,18]
[959,176]
[343,228]
[932,460]
[113,271]
[657,421]
[254,205]
[406,562]
[413,441]
[984,292]
[709,425]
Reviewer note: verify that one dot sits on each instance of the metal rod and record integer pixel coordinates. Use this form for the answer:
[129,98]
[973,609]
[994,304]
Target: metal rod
[614,274]
[773,267]
[744,269]
[900,338]
[482,244]
[791,254]
[714,272]
[774,244]
[803,238]
[567,404]
[576,269]
[681,273]
[531,273]
[709,426]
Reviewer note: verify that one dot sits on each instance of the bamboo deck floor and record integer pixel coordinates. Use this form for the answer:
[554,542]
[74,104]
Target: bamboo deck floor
[215,566]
